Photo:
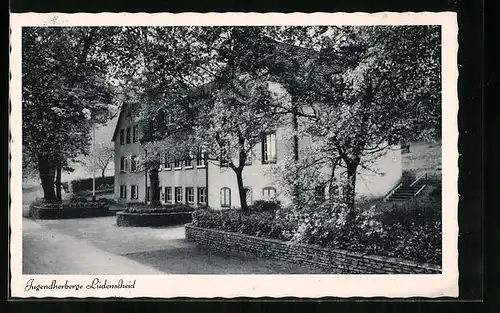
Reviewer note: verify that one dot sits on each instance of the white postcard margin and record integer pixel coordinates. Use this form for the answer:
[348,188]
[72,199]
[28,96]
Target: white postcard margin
[229,286]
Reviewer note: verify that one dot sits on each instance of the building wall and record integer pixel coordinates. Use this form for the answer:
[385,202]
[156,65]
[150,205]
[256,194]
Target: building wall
[380,175]
[254,175]
[127,150]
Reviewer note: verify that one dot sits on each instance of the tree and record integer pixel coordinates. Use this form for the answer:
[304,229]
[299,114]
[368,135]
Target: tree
[177,65]
[64,74]
[387,93]
[100,158]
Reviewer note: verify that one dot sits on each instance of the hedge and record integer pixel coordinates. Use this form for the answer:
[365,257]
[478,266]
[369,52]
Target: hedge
[86,184]
[412,234]
[168,208]
[42,210]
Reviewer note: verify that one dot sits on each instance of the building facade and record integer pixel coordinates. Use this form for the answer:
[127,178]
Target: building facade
[201,182]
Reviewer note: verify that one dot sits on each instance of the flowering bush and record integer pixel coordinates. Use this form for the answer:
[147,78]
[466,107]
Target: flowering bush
[413,233]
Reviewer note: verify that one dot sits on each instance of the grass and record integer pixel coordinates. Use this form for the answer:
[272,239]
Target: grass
[424,157]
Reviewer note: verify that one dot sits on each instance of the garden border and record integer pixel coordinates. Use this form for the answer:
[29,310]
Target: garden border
[70,210]
[331,260]
[152,219]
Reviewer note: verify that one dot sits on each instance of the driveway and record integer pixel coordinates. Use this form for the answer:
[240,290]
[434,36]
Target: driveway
[98,246]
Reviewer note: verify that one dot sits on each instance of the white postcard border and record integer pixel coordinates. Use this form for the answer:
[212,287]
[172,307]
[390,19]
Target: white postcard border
[228,286]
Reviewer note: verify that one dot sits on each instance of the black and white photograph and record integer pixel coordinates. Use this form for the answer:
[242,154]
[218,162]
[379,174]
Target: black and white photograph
[225,150]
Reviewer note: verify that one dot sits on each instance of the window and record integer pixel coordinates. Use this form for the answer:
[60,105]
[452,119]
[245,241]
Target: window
[178,194]
[248,195]
[128,135]
[123,192]
[188,161]
[162,195]
[225,197]
[269,148]
[168,194]
[134,192]
[122,137]
[135,133]
[248,160]
[122,164]
[126,164]
[202,195]
[201,158]
[268,193]
[189,194]
[148,193]
[133,163]
[177,163]
[166,163]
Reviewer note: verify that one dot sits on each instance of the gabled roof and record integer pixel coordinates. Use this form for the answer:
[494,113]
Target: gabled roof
[120,117]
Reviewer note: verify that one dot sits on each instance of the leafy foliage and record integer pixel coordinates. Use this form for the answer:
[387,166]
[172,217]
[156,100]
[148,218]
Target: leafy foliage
[413,234]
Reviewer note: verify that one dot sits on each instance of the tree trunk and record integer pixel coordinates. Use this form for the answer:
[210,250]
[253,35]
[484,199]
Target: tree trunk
[241,190]
[103,173]
[155,187]
[295,126]
[58,182]
[47,177]
[350,192]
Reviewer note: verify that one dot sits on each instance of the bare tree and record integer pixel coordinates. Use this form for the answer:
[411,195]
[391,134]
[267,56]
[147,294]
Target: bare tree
[100,158]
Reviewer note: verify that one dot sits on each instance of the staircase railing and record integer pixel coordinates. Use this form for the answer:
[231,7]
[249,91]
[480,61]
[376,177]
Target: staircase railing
[392,191]
[423,176]
[419,178]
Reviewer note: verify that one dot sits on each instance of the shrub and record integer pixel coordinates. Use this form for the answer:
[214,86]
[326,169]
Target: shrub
[263,205]
[172,208]
[77,199]
[413,234]
[86,184]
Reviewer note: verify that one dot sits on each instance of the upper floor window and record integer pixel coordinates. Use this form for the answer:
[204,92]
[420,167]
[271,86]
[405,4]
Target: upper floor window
[248,160]
[128,135]
[225,197]
[188,161]
[122,164]
[201,158]
[122,137]
[269,148]
[135,133]
[166,162]
[268,193]
[177,163]
[133,163]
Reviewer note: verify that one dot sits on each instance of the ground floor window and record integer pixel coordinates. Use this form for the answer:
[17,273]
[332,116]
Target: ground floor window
[134,192]
[202,195]
[268,193]
[189,194]
[225,197]
[168,194]
[248,195]
[178,194]
[148,194]
[123,192]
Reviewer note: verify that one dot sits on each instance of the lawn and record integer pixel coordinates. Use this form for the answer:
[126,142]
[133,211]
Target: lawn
[424,157]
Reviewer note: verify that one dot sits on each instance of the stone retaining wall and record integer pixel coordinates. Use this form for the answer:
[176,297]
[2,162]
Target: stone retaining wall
[335,261]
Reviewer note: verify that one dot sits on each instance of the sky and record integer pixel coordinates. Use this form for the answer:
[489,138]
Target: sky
[104,134]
